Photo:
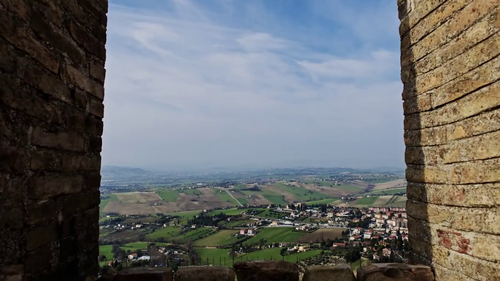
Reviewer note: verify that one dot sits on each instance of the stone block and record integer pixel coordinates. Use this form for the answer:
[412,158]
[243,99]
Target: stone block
[88,41]
[48,186]
[78,78]
[59,140]
[395,272]
[97,108]
[61,43]
[209,273]
[97,71]
[144,273]
[266,271]
[329,273]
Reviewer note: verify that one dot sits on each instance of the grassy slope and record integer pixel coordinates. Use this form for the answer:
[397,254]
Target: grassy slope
[224,197]
[112,197]
[168,195]
[229,212]
[222,237]
[366,201]
[166,232]
[324,201]
[276,234]
[300,192]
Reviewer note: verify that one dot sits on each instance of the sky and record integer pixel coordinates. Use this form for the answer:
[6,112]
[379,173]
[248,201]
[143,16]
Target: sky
[253,83]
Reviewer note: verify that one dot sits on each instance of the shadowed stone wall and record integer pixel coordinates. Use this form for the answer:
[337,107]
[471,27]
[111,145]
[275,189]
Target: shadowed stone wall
[451,70]
[52,58]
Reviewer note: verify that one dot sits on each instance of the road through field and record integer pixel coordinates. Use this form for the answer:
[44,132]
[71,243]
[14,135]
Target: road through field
[234,198]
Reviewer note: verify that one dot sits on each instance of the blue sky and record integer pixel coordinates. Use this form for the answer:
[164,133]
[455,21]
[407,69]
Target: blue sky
[276,83]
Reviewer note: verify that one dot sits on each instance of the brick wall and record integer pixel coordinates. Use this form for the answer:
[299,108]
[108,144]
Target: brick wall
[451,70]
[52,58]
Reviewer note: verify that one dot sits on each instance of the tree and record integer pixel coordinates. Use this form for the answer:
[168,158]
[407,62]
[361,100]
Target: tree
[283,252]
[352,255]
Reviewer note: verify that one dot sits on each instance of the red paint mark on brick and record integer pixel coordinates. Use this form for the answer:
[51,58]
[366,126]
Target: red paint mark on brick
[453,241]
[463,245]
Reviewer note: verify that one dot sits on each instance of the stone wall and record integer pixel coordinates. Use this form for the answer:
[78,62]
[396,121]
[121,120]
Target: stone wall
[52,58]
[277,271]
[451,70]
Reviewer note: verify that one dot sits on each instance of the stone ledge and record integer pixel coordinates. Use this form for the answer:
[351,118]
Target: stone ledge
[329,273]
[395,272]
[266,271]
[144,273]
[210,273]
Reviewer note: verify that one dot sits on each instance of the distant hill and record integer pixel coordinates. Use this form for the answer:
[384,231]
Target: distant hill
[116,172]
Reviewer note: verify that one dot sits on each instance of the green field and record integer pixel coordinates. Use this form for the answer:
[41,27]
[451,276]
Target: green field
[300,192]
[320,183]
[225,197]
[168,195]
[111,197]
[276,234]
[238,223]
[195,234]
[191,191]
[106,251]
[388,191]
[366,201]
[349,187]
[229,212]
[221,256]
[271,214]
[222,237]
[319,202]
[168,233]
[240,186]
[243,201]
[185,214]
[275,199]
[397,201]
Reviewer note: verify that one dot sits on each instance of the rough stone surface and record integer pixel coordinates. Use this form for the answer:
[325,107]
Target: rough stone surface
[451,75]
[51,91]
[266,271]
[328,273]
[145,273]
[395,272]
[210,273]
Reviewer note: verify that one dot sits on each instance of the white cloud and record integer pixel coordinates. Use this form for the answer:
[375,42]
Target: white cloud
[182,89]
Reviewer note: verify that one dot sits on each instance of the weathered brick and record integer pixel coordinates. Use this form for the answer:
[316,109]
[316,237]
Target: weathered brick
[19,8]
[31,104]
[56,39]
[79,79]
[97,108]
[38,259]
[97,71]
[48,186]
[91,44]
[45,160]
[41,235]
[470,195]
[483,52]
[12,214]
[40,211]
[455,26]
[411,14]
[12,159]
[60,140]
[95,144]
[47,83]
[20,38]
[93,180]
[50,11]
[459,45]
[80,163]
